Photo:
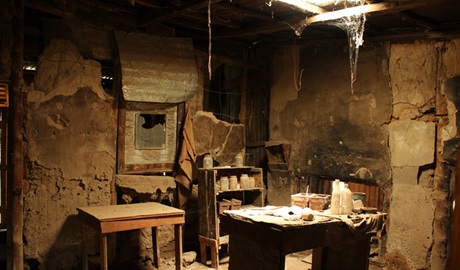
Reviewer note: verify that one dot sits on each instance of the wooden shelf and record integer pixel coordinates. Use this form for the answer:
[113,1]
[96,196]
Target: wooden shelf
[209,196]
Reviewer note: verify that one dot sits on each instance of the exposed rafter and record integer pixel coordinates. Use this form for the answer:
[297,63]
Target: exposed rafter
[303,6]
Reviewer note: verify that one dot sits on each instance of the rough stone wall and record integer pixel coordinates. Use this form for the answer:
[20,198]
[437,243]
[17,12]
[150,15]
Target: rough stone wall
[70,155]
[400,124]
[136,245]
[423,136]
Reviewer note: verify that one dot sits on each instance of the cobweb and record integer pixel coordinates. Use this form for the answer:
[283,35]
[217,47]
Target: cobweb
[354,26]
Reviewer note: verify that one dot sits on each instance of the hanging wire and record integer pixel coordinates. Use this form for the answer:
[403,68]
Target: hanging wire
[297,77]
[210,37]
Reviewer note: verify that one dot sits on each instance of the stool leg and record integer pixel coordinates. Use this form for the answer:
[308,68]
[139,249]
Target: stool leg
[203,250]
[155,249]
[214,254]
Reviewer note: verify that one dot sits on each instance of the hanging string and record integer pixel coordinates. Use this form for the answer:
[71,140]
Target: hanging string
[297,77]
[210,43]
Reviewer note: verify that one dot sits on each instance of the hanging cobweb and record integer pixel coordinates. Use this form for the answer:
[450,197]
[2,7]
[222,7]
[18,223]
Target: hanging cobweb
[354,26]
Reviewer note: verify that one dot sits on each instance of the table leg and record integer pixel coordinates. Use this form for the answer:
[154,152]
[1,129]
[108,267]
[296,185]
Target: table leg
[103,252]
[178,245]
[84,253]
[317,255]
[155,247]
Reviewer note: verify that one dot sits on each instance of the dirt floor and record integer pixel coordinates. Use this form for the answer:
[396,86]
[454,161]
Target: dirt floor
[295,261]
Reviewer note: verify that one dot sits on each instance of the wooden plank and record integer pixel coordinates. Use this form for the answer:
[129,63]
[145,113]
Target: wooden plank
[125,225]
[130,211]
[303,6]
[382,8]
[207,204]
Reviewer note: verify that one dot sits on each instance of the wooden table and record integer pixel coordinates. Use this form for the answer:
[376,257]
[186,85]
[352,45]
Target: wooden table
[264,245]
[116,218]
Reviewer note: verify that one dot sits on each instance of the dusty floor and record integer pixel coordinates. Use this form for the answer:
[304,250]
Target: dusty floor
[301,260]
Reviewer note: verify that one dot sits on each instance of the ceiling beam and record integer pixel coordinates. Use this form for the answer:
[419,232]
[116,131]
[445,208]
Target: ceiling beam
[418,20]
[303,6]
[180,12]
[382,8]
[375,9]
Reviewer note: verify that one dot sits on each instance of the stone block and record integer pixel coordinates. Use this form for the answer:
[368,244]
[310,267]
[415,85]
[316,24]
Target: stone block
[412,213]
[412,143]
[405,175]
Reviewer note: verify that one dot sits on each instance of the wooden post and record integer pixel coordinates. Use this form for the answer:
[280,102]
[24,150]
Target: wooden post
[16,169]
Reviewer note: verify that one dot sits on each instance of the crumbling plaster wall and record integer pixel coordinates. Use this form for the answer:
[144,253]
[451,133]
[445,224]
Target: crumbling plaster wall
[70,150]
[421,135]
[399,124]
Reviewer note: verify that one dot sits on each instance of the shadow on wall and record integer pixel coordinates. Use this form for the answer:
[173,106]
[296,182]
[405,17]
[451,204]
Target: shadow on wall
[65,252]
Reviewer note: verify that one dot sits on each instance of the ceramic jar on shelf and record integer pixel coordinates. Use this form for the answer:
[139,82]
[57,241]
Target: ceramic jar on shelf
[233,182]
[224,183]
[207,162]
[244,181]
[239,160]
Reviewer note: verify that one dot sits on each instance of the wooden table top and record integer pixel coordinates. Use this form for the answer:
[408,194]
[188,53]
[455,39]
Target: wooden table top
[130,211]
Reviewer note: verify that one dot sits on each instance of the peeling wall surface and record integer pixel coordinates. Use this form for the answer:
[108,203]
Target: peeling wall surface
[70,155]
[217,138]
[400,123]
[136,245]
[421,133]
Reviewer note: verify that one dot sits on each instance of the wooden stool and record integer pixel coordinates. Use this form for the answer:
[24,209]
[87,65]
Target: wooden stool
[213,244]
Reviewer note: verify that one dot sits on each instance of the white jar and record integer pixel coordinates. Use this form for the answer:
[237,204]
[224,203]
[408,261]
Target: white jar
[252,182]
[233,182]
[335,198]
[244,181]
[207,162]
[239,160]
[224,183]
[347,201]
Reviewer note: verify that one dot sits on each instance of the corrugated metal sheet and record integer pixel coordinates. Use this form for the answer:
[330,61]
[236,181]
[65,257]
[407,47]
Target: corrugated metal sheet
[157,69]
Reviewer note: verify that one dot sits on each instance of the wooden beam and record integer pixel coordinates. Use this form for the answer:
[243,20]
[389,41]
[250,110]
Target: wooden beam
[303,6]
[180,12]
[381,8]
[378,9]
[147,3]
[418,20]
